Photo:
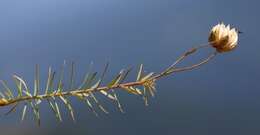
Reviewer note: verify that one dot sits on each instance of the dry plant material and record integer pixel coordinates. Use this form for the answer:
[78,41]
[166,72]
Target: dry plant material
[222,38]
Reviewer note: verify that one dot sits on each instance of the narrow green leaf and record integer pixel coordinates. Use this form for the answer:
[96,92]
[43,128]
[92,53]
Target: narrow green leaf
[51,87]
[19,83]
[53,108]
[145,97]
[7,88]
[8,95]
[36,112]
[147,76]
[12,109]
[2,95]
[107,95]
[84,81]
[60,84]
[132,90]
[88,81]
[87,74]
[140,73]
[97,102]
[24,112]
[116,80]
[138,91]
[117,101]
[91,107]
[36,81]
[125,75]
[85,100]
[72,74]
[150,91]
[69,107]
[48,80]
[97,84]
[57,110]
[27,93]
[38,101]
[104,72]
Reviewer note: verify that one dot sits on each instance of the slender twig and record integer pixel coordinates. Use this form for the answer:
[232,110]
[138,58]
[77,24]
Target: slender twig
[171,69]
[181,58]
[195,65]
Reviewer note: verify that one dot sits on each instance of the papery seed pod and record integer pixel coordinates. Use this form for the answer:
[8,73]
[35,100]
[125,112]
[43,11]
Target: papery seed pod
[223,38]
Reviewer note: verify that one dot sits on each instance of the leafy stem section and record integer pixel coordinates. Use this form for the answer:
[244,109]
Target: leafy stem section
[4,102]
[143,86]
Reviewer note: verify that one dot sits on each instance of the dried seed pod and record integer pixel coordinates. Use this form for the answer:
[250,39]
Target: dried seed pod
[223,38]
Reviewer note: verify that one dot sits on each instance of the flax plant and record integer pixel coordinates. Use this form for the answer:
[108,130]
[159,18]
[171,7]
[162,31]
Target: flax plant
[221,37]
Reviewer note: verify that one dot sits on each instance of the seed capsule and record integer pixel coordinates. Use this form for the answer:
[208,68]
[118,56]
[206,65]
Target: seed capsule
[223,38]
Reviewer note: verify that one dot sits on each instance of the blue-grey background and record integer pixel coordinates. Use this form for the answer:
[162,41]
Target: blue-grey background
[220,98]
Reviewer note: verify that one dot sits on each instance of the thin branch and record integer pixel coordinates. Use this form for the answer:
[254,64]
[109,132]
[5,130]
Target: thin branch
[92,85]
[171,69]
[195,65]
[181,58]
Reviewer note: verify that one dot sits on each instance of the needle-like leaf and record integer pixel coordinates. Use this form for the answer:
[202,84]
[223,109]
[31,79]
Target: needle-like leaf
[57,110]
[60,84]
[125,75]
[7,89]
[145,97]
[36,80]
[140,73]
[116,80]
[24,111]
[107,95]
[53,108]
[88,81]
[117,101]
[97,84]
[147,76]
[2,95]
[12,109]
[68,105]
[72,74]
[132,90]
[97,102]
[18,85]
[36,112]
[49,80]
[85,99]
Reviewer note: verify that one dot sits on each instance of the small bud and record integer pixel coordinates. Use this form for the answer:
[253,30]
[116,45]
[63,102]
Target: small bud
[223,38]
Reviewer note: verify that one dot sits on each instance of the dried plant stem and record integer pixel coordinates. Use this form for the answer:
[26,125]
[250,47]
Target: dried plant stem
[195,65]
[143,86]
[171,69]
[72,93]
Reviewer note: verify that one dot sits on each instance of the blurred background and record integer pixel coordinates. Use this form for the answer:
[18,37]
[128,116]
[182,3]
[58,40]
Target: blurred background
[220,98]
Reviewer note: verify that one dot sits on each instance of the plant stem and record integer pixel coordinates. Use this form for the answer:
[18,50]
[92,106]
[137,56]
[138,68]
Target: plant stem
[170,70]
